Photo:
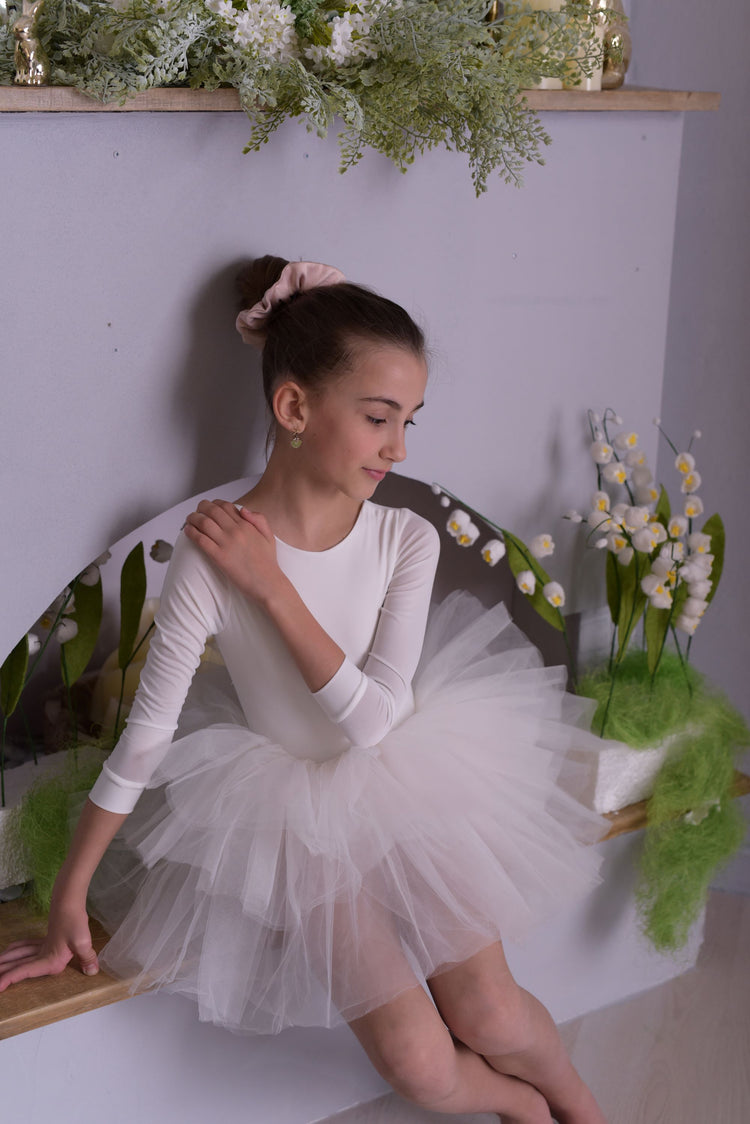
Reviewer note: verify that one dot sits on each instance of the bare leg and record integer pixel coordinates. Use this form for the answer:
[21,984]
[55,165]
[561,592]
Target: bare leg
[486,1009]
[411,1047]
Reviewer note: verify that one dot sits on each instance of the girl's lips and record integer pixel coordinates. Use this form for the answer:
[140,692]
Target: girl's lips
[374,473]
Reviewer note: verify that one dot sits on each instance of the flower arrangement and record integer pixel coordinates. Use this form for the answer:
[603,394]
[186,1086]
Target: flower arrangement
[661,572]
[73,622]
[403,75]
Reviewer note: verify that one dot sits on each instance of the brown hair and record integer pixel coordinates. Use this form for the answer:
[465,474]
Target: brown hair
[314,336]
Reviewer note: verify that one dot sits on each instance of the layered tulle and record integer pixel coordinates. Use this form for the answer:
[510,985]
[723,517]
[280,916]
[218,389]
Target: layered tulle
[282,891]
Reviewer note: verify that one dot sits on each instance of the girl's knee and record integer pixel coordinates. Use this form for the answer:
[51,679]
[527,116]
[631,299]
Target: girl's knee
[419,1067]
[494,1020]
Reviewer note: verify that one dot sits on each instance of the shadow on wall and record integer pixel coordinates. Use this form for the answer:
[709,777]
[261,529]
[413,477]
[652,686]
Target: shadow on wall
[219,402]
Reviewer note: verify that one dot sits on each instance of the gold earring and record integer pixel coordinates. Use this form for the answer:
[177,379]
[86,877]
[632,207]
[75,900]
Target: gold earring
[296,440]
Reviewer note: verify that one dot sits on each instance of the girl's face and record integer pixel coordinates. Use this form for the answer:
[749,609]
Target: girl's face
[356,427]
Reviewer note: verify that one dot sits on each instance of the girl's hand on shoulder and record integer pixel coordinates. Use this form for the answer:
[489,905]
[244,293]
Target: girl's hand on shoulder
[240,543]
[68,938]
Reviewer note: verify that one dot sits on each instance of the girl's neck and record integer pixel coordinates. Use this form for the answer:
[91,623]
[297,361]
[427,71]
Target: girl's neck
[299,513]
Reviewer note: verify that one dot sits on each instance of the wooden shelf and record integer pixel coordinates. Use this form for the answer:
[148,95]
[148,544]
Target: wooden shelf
[65,99]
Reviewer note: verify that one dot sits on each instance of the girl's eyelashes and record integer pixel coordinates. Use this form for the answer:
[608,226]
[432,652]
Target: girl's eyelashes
[382,421]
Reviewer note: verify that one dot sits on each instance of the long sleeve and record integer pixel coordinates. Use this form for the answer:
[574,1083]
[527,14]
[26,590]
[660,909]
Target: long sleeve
[193,606]
[365,703]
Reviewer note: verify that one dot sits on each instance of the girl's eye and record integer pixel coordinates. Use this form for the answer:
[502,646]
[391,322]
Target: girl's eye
[376,421]
[409,422]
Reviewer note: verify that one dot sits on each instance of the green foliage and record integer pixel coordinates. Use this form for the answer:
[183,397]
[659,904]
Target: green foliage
[13,677]
[520,558]
[641,713]
[632,601]
[40,828]
[88,616]
[132,597]
[715,528]
[442,75]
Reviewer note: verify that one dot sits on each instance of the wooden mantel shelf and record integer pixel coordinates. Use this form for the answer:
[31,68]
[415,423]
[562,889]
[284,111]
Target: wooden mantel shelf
[66,99]
[36,1003]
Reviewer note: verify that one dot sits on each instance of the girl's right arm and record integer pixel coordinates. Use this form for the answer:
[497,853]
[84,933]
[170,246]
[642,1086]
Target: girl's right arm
[68,932]
[190,609]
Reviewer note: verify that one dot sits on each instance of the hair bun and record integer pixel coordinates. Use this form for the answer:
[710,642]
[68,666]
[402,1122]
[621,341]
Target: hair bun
[255,279]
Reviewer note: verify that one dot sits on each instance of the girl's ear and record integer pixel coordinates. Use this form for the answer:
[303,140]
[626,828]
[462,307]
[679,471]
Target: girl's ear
[290,406]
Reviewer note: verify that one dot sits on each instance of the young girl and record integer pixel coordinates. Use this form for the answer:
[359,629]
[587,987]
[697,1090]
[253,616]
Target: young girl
[355,822]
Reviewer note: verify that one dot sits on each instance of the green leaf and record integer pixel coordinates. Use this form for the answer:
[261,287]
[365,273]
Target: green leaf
[655,625]
[663,508]
[132,597]
[13,676]
[632,603]
[613,586]
[715,528]
[520,558]
[88,617]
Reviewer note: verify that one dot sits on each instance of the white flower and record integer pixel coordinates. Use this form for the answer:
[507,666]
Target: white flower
[672,551]
[694,607]
[541,546]
[601,452]
[493,551]
[656,591]
[161,551]
[700,589]
[645,540]
[468,535]
[684,463]
[697,568]
[555,594]
[600,544]
[690,483]
[436,489]
[677,526]
[616,542]
[658,529]
[699,543]
[34,643]
[617,514]
[615,472]
[526,582]
[693,507]
[642,475]
[636,517]
[89,576]
[445,501]
[457,520]
[573,516]
[625,556]
[665,569]
[600,501]
[687,624]
[65,630]
[624,441]
[635,457]
[697,434]
[103,557]
[599,520]
[266,28]
[646,493]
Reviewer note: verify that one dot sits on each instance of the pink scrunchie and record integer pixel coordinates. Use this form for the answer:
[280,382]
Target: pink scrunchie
[296,277]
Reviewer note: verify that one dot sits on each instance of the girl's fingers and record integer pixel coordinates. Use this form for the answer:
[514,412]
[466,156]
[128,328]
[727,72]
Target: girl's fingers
[32,969]
[18,950]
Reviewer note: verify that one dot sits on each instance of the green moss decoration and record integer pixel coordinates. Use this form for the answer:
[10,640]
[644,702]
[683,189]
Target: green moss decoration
[40,830]
[694,825]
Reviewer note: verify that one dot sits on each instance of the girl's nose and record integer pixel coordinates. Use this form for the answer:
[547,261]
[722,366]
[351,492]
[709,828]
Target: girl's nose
[395,450]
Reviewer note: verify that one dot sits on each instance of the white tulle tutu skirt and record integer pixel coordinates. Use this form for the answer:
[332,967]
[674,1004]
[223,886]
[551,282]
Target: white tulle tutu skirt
[280,891]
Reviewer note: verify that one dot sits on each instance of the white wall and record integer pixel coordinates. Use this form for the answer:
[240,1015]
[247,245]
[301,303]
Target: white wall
[125,388]
[707,370]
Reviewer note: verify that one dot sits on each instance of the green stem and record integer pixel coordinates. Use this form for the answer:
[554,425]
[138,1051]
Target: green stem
[50,634]
[683,664]
[613,676]
[29,737]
